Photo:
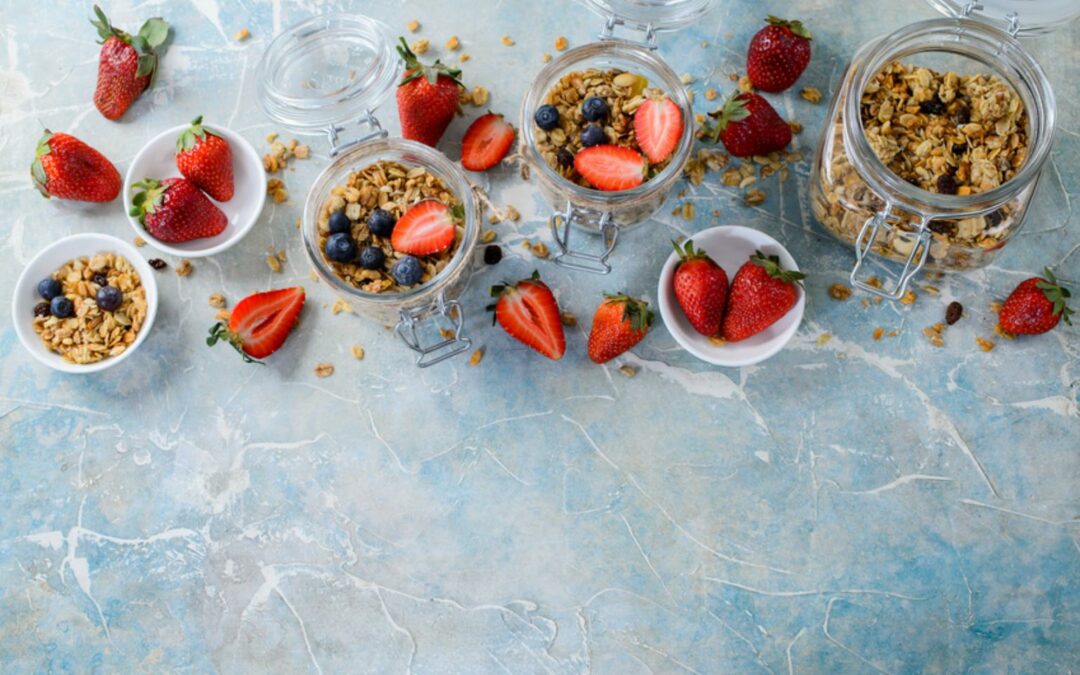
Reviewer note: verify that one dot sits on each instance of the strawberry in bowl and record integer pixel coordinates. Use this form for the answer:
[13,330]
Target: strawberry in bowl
[205,158]
[175,210]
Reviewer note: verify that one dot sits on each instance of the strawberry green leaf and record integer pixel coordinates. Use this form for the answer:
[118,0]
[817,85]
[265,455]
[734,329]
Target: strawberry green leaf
[155,31]
[794,26]
[220,332]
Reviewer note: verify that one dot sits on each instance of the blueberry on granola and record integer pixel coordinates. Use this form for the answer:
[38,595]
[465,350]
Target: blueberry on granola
[593,135]
[340,248]
[381,223]
[547,117]
[61,307]
[339,223]
[109,298]
[48,288]
[372,257]
[594,109]
[407,271]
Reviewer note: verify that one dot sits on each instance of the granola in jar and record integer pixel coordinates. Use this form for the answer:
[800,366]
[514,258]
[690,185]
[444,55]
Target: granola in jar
[944,133]
[96,307]
[367,208]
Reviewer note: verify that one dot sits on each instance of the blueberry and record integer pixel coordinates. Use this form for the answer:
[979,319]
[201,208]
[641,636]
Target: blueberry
[340,248]
[406,271]
[593,135]
[109,298]
[49,288]
[547,117]
[594,109]
[381,223]
[339,222]
[372,257]
[42,309]
[61,307]
[492,254]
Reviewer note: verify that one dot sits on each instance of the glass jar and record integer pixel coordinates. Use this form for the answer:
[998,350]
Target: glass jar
[861,201]
[319,75]
[597,211]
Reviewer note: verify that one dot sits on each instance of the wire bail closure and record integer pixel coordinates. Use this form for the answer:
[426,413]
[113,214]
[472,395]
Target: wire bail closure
[579,260]
[449,310]
[912,266]
[650,32]
[368,120]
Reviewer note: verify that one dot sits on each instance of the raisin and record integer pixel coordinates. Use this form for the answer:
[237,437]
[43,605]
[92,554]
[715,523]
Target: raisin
[953,312]
[946,184]
[157,263]
[994,218]
[565,157]
[42,309]
[932,107]
[941,227]
[962,116]
[493,254]
[959,149]
[100,279]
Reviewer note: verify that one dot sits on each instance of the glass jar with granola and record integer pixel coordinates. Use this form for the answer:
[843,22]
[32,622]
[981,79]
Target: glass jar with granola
[615,105]
[390,224]
[932,148]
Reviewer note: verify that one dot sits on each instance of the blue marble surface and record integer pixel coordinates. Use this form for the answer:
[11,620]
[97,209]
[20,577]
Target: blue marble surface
[848,506]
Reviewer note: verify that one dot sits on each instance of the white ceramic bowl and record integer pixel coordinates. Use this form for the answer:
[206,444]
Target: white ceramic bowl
[730,246]
[157,160]
[50,260]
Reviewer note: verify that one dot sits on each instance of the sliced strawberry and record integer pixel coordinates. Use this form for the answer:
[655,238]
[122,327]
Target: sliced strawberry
[658,126]
[259,323]
[610,167]
[426,228]
[528,312]
[486,142]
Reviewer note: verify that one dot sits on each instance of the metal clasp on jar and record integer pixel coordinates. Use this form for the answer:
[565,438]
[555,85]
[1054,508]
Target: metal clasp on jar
[578,260]
[916,258]
[609,32]
[408,329]
[368,120]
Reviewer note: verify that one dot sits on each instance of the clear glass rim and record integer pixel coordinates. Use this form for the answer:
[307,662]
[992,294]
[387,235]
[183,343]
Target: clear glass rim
[955,9]
[600,199]
[990,45]
[430,159]
[657,13]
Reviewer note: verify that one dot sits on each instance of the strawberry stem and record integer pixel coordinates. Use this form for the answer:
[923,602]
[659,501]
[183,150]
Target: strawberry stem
[795,26]
[771,264]
[416,69]
[1056,294]
[220,332]
[734,110]
[635,310]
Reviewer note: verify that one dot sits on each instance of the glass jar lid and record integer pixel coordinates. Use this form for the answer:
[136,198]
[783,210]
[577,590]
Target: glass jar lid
[326,71]
[1019,17]
[658,14]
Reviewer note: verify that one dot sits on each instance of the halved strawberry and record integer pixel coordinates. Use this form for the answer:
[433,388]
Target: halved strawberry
[426,228]
[658,126]
[486,142]
[528,312]
[610,167]
[259,323]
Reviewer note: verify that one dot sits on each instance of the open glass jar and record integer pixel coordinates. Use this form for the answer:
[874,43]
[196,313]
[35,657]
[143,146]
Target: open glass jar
[596,211]
[327,75]
[991,139]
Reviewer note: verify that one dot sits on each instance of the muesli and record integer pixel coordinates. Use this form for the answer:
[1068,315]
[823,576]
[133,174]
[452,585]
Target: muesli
[92,308]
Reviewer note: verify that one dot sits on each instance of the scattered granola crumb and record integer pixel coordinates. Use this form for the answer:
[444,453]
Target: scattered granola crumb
[313,276]
[413,26]
[627,370]
[479,96]
[507,41]
[476,357]
[733,76]
[984,344]
[222,315]
[874,281]
[302,151]
[953,312]
[717,340]
[420,46]
[561,43]
[686,78]
[839,292]
[340,305]
[138,241]
[358,352]
[568,319]
[464,57]
[934,334]
[271,137]
[878,332]
[540,250]
[687,210]
[754,197]
[512,213]
[487,237]
[446,333]
[811,94]
[273,263]
[453,43]
[242,35]
[157,263]
[931,290]
[217,300]
[704,44]
[995,307]
[1001,332]
[183,268]
[908,298]
[823,338]
[796,127]
[545,57]
[324,369]
[745,84]
[710,94]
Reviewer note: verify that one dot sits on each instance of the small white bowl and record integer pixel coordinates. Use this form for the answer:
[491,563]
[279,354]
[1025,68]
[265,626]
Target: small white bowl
[730,246]
[157,160]
[53,258]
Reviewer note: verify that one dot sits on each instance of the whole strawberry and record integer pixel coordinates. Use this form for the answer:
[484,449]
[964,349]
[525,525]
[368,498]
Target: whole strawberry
[205,159]
[778,54]
[427,98]
[761,293]
[1035,306]
[67,168]
[127,63]
[620,323]
[175,210]
[748,125]
[701,287]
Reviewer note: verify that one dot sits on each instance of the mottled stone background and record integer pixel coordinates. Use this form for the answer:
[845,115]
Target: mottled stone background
[854,506]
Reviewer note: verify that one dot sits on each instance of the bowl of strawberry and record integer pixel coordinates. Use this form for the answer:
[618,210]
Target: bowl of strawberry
[195,190]
[736,320]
